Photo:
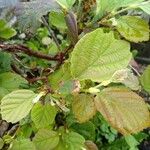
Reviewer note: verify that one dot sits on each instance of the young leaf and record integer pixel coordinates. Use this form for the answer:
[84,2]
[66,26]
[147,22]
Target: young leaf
[83,107]
[43,115]
[98,55]
[6,32]
[22,144]
[46,140]
[17,105]
[57,19]
[133,28]
[11,81]
[145,79]
[123,109]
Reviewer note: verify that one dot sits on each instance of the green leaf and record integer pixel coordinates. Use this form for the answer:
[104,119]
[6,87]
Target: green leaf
[145,7]
[29,13]
[46,140]
[17,105]
[133,28]
[60,75]
[83,107]
[6,32]
[11,81]
[106,6]
[87,130]
[5,62]
[3,92]
[22,144]
[57,19]
[1,143]
[145,79]
[123,109]
[131,141]
[66,4]
[43,115]
[98,55]
[73,141]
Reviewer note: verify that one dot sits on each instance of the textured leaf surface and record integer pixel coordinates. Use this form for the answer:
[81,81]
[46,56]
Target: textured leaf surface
[106,6]
[11,81]
[145,79]
[98,55]
[17,105]
[133,28]
[66,4]
[29,13]
[146,7]
[46,140]
[6,32]
[22,144]
[83,107]
[123,109]
[43,115]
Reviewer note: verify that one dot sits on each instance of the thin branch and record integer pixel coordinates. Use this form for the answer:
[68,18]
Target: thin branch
[21,48]
[51,32]
[143,60]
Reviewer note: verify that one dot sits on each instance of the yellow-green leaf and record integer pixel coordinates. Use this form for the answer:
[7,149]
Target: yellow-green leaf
[43,115]
[145,79]
[83,107]
[22,144]
[133,28]
[17,105]
[98,55]
[123,109]
[46,140]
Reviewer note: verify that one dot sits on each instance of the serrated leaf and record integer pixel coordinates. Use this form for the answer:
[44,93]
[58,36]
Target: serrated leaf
[123,109]
[17,105]
[29,13]
[43,115]
[6,32]
[145,7]
[11,81]
[133,28]
[46,140]
[22,144]
[83,107]
[145,79]
[106,6]
[98,55]
[73,141]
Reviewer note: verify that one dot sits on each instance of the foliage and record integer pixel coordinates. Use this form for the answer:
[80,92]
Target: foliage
[67,81]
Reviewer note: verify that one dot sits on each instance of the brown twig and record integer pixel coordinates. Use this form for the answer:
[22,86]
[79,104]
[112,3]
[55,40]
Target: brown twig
[21,48]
